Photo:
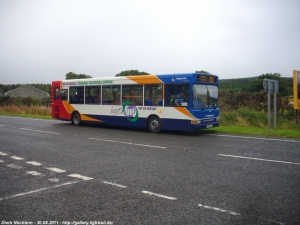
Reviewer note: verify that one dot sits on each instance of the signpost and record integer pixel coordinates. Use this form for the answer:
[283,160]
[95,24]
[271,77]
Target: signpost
[271,86]
[296,88]
[296,81]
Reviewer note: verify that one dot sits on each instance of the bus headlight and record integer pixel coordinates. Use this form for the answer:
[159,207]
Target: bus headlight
[195,121]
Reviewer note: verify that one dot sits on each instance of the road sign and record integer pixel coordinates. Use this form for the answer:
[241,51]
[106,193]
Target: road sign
[272,85]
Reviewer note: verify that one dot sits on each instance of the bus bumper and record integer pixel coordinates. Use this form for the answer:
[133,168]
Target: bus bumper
[205,125]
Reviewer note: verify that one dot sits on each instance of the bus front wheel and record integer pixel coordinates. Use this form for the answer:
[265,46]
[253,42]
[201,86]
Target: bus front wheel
[154,124]
[76,120]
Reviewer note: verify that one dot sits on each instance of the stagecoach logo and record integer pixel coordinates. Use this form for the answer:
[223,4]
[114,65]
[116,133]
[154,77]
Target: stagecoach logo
[130,111]
[185,79]
[181,78]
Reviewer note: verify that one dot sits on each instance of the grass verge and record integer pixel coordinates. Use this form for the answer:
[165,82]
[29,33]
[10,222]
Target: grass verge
[27,115]
[257,131]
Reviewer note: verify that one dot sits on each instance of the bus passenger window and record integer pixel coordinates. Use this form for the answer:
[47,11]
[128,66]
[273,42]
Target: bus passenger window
[111,94]
[92,95]
[64,94]
[133,93]
[76,95]
[153,94]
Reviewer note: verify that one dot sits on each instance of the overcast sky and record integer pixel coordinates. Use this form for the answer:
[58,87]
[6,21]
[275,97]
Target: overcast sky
[42,40]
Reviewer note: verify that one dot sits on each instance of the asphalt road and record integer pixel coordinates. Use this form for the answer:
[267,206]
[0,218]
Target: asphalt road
[56,173]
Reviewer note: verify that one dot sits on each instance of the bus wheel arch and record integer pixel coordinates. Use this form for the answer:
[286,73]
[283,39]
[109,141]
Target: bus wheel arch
[76,119]
[154,124]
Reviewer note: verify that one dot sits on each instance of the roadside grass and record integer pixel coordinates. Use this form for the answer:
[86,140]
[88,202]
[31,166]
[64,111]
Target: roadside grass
[23,109]
[27,116]
[257,131]
[250,122]
[41,112]
[242,121]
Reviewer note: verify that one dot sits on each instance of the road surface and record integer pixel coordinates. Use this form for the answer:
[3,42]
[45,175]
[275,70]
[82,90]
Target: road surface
[56,173]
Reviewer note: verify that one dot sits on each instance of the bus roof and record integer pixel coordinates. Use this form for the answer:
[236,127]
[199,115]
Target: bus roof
[135,79]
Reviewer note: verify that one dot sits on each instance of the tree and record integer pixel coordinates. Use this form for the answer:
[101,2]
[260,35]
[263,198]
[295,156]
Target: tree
[130,73]
[202,71]
[257,85]
[72,75]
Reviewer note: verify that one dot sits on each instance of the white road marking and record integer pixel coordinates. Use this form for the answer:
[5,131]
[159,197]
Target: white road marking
[38,190]
[127,143]
[34,173]
[54,180]
[15,166]
[16,158]
[3,154]
[41,131]
[2,161]
[75,175]
[220,210]
[257,138]
[267,160]
[151,146]
[278,223]
[159,195]
[55,170]
[1,125]
[34,163]
[114,184]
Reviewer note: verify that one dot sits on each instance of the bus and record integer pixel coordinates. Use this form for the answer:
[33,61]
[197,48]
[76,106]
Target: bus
[183,102]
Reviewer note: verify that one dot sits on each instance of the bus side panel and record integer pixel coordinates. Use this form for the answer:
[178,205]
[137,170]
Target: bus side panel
[120,121]
[59,111]
[64,111]
[117,115]
[106,114]
[186,125]
[176,124]
[180,118]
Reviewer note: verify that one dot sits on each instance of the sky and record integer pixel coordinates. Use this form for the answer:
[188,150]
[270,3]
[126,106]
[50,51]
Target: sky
[43,40]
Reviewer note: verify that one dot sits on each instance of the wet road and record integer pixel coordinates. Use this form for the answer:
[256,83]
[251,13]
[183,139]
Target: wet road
[56,173]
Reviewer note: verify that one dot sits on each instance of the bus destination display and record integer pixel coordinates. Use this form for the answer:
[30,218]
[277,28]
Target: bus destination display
[206,78]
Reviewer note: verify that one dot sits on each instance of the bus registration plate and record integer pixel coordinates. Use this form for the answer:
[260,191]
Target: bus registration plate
[209,126]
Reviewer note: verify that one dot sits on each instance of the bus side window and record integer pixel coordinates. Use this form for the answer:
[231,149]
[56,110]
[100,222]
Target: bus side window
[92,95]
[176,94]
[76,95]
[133,93]
[153,94]
[169,94]
[97,96]
[56,94]
[64,94]
[111,94]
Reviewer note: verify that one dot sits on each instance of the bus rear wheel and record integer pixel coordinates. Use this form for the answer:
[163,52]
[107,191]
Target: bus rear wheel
[76,120]
[154,124]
